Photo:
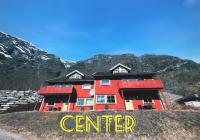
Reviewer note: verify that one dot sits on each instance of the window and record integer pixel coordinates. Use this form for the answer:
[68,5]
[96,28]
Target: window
[84,102]
[130,79]
[50,102]
[58,85]
[63,85]
[120,70]
[68,85]
[80,101]
[89,101]
[105,82]
[100,99]
[75,76]
[105,99]
[110,99]
[86,86]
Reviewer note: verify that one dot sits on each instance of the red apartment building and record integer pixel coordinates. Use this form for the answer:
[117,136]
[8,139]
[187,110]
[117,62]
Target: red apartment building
[117,89]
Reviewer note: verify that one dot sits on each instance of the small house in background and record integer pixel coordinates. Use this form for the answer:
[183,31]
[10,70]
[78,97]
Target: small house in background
[119,88]
[192,100]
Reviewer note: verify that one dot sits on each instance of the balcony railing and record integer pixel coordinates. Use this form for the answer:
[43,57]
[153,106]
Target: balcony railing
[54,90]
[144,84]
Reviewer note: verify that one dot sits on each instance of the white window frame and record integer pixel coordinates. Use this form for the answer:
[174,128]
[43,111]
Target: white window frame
[120,70]
[105,84]
[84,102]
[89,87]
[92,102]
[75,76]
[106,99]
[100,102]
[68,85]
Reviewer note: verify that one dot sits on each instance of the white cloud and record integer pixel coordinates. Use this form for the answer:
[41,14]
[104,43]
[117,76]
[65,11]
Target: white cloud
[190,2]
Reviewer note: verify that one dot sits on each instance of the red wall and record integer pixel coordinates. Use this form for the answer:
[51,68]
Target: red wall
[81,93]
[158,105]
[136,103]
[112,89]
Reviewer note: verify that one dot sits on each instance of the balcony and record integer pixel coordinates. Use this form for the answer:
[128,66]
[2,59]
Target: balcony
[141,84]
[53,90]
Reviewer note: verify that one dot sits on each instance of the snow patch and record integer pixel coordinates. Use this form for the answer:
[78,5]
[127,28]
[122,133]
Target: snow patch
[63,61]
[3,45]
[67,63]
[14,42]
[18,47]
[70,61]
[2,48]
[27,50]
[7,56]
[44,57]
[67,66]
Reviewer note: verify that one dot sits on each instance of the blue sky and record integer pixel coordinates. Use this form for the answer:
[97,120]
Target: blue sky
[79,29]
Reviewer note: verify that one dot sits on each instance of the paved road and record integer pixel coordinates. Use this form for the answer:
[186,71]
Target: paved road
[5,135]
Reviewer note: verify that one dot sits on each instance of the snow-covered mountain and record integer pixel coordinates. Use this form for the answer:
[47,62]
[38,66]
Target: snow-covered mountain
[11,47]
[68,63]
[23,65]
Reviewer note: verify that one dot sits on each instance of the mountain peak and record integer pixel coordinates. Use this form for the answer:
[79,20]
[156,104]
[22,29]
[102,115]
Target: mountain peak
[22,61]
[18,41]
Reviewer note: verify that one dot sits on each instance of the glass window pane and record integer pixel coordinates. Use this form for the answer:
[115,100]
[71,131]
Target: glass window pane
[75,76]
[68,85]
[50,102]
[105,82]
[101,99]
[110,99]
[86,86]
[80,101]
[89,101]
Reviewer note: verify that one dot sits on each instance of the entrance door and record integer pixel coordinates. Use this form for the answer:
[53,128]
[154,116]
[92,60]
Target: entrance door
[64,108]
[129,104]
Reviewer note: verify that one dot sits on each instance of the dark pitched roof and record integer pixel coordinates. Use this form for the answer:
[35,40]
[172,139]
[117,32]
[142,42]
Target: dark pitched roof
[75,71]
[99,74]
[90,78]
[119,65]
[64,79]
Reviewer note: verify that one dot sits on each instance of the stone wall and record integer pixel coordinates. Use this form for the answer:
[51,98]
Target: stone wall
[12,98]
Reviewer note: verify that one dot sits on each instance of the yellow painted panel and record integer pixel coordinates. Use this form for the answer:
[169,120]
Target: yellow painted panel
[129,105]
[64,108]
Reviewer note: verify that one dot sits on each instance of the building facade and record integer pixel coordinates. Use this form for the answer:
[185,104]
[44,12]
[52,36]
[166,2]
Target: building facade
[117,89]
